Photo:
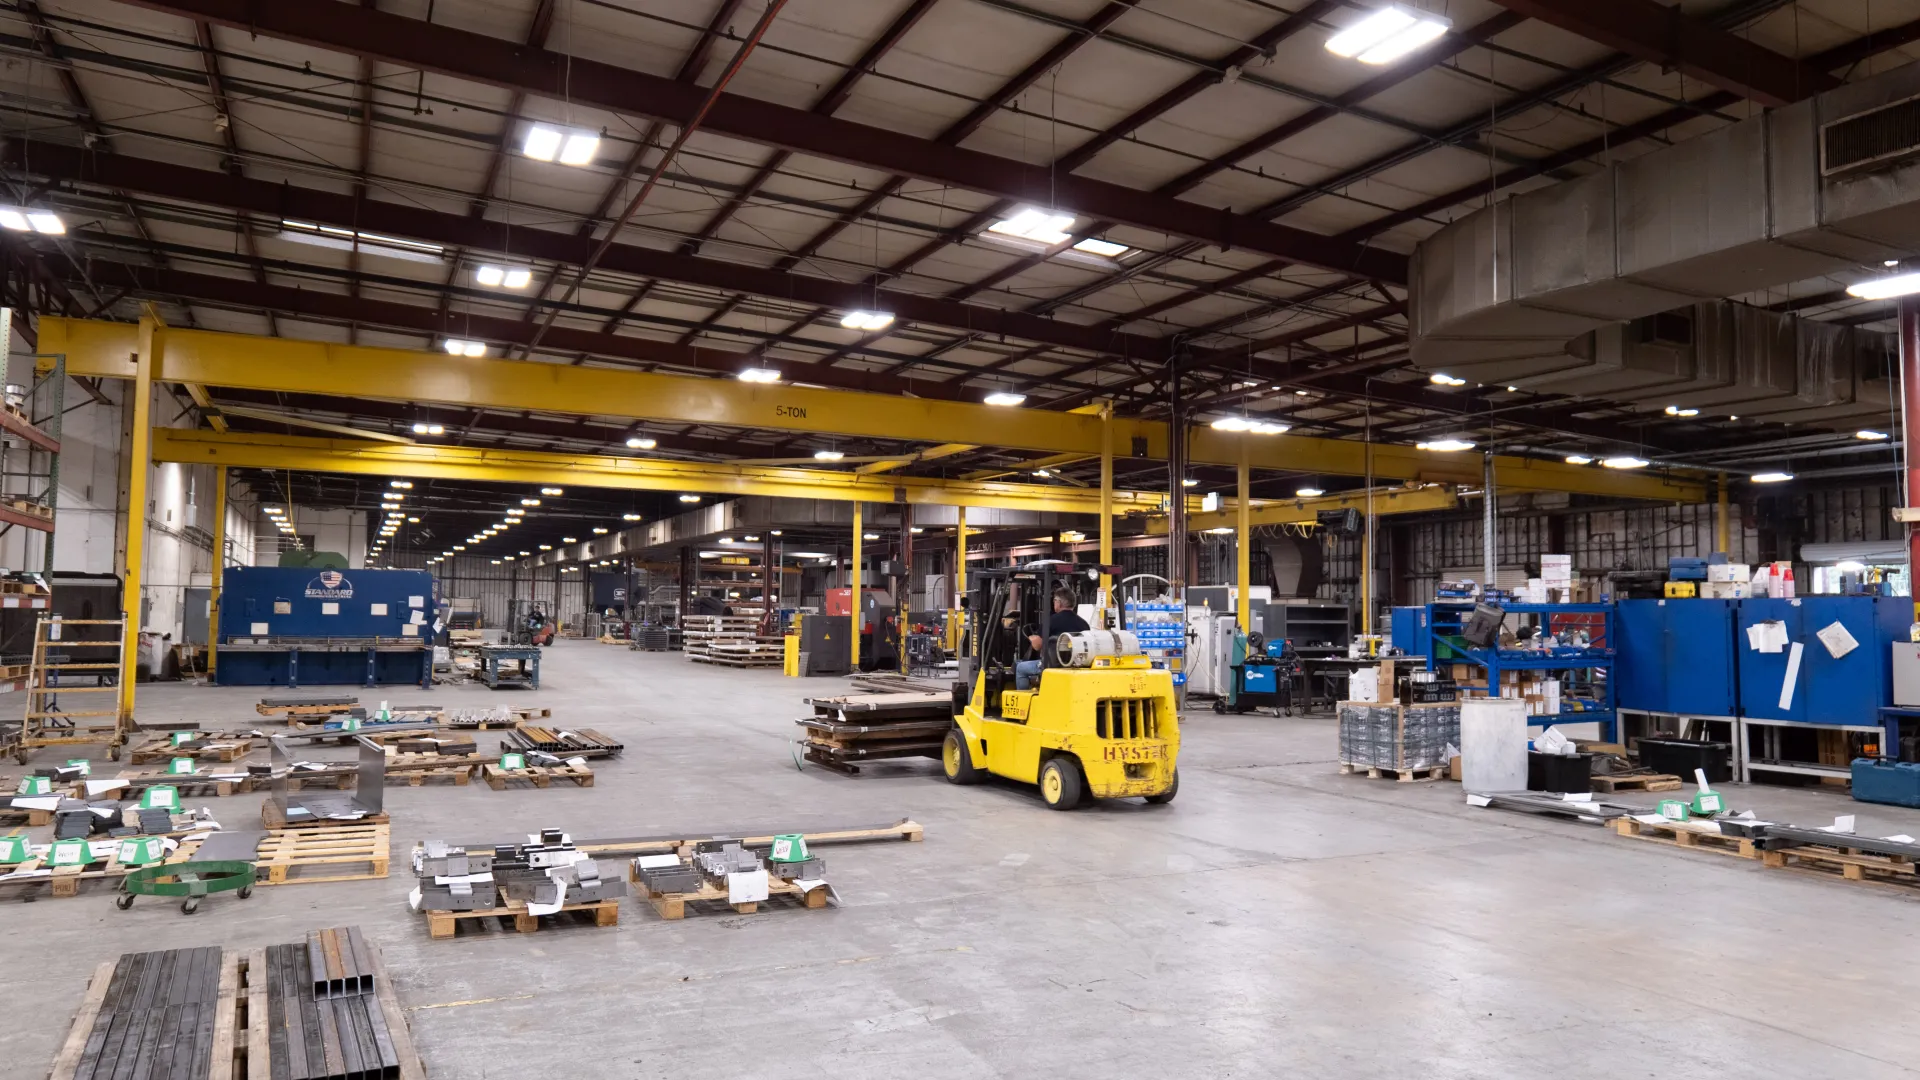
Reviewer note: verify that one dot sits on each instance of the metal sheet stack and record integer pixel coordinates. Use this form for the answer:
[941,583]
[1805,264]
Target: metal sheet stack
[1398,737]
[324,1017]
[157,1018]
[565,742]
[846,730]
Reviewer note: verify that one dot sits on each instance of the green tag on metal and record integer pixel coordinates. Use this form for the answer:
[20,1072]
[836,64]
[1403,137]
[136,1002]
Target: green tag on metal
[68,853]
[13,849]
[141,850]
[513,761]
[161,797]
[180,766]
[789,847]
[180,737]
[1673,809]
[85,766]
[34,785]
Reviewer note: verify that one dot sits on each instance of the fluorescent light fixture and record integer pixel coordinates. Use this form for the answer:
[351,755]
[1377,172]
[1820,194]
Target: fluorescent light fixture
[760,375]
[489,276]
[689,498]
[393,496]
[1885,288]
[428,429]
[1513,389]
[462,347]
[1189,482]
[518,277]
[1222,530]
[1231,423]
[1441,378]
[726,539]
[1445,446]
[509,277]
[1387,35]
[629,517]
[413,521]
[599,530]
[15,220]
[552,491]
[496,562]
[1005,398]
[569,540]
[867,320]
[916,530]
[1579,459]
[525,553]
[47,223]
[403,485]
[546,547]
[328,236]
[459,547]
[828,455]
[1624,462]
[543,143]
[1106,249]
[1309,493]
[806,554]
[1675,410]
[1770,477]
[529,502]
[1036,225]
[869,536]
[1268,427]
[638,443]
[1870,436]
[1042,473]
[775,532]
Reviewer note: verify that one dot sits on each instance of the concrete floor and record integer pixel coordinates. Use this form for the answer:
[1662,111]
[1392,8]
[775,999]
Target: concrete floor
[1277,918]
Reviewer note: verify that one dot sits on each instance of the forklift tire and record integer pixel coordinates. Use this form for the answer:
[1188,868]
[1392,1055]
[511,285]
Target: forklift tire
[1166,796]
[956,760]
[1060,784]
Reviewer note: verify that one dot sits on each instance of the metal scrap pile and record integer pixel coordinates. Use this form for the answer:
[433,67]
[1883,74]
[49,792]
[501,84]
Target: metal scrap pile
[545,872]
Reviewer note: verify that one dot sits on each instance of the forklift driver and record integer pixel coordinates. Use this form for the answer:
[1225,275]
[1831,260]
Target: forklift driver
[1064,620]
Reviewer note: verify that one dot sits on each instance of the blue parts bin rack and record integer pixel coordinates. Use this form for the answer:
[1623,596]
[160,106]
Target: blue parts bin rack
[288,626]
[1590,667]
[1162,630]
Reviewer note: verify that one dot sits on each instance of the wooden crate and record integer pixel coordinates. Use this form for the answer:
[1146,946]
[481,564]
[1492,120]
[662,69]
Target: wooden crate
[445,924]
[539,776]
[312,855]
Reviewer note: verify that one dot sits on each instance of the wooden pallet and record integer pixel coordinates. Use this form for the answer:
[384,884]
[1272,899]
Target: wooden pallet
[311,855]
[539,776]
[445,924]
[286,713]
[241,1032]
[1698,835]
[1605,784]
[1848,864]
[32,509]
[417,769]
[191,787]
[709,895]
[158,750]
[271,819]
[1405,776]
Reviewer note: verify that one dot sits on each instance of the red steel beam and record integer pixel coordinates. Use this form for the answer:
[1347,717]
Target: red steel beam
[1664,35]
[458,230]
[493,61]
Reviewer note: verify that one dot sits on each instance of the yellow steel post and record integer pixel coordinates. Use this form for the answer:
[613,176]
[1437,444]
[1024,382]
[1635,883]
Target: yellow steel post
[855,579]
[1722,518]
[1106,501]
[219,565]
[960,556]
[1243,528]
[138,464]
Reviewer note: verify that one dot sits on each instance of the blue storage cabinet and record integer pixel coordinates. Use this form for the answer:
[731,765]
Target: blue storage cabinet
[1763,674]
[1408,630]
[1702,661]
[1640,642]
[1848,690]
[288,626]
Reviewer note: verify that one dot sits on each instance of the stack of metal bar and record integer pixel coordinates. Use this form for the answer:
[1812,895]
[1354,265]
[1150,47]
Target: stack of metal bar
[323,1014]
[453,878]
[844,731]
[157,1018]
[563,742]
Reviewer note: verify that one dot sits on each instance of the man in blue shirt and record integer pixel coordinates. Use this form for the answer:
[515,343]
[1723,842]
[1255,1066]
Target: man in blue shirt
[1064,620]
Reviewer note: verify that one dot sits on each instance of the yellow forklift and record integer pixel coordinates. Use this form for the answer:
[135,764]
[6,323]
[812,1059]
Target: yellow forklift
[1096,719]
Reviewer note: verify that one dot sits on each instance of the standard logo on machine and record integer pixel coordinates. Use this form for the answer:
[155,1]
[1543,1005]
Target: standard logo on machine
[330,585]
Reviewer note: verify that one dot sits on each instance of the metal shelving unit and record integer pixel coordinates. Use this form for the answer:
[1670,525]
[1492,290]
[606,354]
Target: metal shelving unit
[1590,667]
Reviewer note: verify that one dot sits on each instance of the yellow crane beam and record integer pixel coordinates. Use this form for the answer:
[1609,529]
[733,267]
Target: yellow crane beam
[99,349]
[1306,511]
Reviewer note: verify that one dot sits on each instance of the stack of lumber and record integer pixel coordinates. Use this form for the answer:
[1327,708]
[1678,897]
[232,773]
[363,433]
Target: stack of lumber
[853,728]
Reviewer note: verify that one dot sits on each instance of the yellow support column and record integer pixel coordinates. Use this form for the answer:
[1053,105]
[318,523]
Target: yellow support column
[139,453]
[1243,529]
[856,593]
[1106,502]
[219,566]
[960,555]
[1722,518]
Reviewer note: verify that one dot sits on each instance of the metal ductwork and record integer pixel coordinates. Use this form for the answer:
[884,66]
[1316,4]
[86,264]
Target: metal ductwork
[1611,285]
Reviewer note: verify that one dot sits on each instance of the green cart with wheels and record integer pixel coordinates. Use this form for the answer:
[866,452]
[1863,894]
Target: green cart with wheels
[189,881]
